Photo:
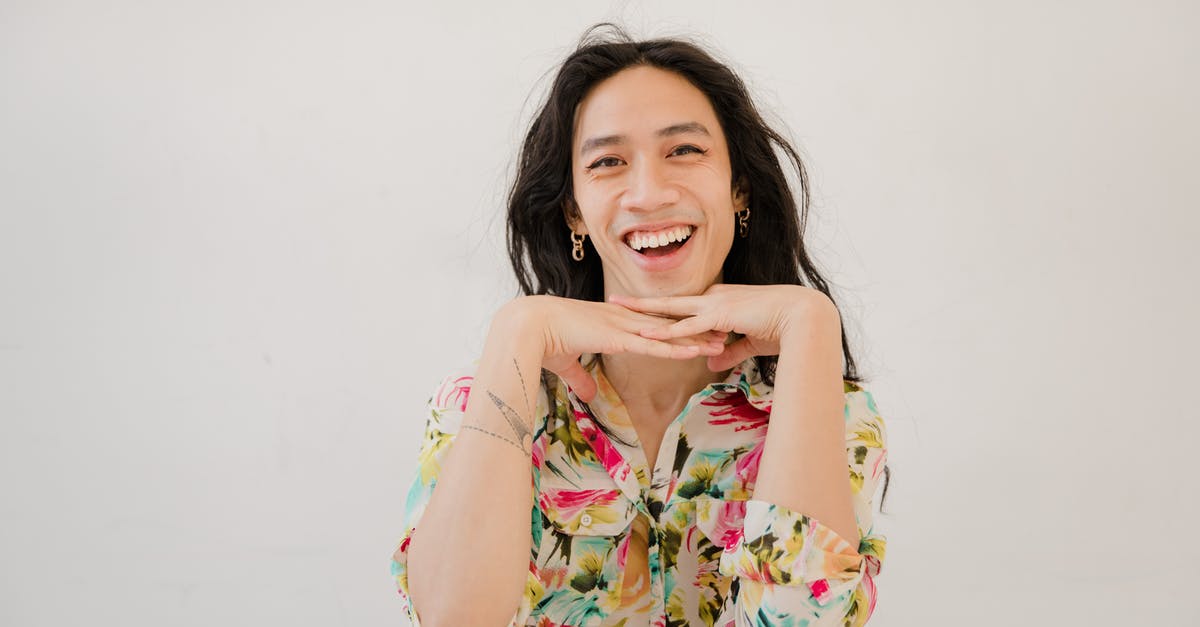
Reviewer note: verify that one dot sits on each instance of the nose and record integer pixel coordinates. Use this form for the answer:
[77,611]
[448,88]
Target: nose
[649,187]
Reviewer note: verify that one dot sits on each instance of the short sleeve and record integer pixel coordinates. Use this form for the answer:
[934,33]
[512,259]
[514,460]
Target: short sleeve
[788,564]
[443,417]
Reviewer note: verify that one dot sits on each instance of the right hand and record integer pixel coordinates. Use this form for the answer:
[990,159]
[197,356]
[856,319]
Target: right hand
[572,327]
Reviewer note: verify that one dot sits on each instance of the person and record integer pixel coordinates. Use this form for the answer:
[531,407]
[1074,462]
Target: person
[667,426]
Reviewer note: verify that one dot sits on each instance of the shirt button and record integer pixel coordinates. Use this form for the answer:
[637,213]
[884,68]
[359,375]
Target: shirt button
[585,520]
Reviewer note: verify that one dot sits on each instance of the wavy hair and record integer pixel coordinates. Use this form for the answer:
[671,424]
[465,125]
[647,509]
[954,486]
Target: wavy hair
[541,195]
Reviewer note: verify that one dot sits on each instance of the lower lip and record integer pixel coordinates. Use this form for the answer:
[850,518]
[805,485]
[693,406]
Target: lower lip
[664,262]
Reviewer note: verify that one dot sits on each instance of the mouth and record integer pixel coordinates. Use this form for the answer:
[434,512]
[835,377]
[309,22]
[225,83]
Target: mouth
[659,243]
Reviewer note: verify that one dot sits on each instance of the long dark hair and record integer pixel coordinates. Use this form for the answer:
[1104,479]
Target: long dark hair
[538,243]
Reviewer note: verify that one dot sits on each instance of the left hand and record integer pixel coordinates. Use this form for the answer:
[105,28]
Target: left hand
[764,314]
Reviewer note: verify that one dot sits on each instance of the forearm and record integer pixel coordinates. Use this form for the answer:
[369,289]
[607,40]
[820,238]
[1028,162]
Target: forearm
[803,465]
[474,534]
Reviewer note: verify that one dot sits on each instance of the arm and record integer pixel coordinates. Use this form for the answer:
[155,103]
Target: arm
[803,464]
[474,533]
[807,549]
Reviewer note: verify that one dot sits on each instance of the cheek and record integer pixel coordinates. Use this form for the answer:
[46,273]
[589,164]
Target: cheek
[722,231]
[722,240]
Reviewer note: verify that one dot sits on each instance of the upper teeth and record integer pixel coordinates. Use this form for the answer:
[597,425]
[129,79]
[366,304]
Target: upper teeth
[645,239]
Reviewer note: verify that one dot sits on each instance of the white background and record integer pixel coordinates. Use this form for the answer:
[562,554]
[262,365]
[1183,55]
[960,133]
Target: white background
[240,242]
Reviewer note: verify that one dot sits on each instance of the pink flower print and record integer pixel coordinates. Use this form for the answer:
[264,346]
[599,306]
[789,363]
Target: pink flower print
[820,590]
[623,551]
[746,467]
[733,408]
[671,487]
[571,503]
[453,394]
[872,565]
[732,538]
[539,453]
[868,584]
[610,457]
[878,465]
[691,533]
[553,576]
[726,524]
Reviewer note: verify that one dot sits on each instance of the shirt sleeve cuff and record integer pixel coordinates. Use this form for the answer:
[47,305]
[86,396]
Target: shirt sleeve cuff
[779,546]
[400,575]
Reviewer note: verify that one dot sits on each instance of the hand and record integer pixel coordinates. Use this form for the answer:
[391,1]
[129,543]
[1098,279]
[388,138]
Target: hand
[763,314]
[571,327]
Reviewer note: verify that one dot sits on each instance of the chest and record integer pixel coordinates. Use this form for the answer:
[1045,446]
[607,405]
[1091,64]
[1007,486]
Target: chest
[606,552]
[651,427]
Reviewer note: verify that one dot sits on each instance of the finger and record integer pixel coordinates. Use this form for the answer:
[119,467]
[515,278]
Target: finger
[719,336]
[631,321]
[710,343]
[579,381]
[656,348]
[696,325]
[733,355]
[676,306]
[712,348]
[712,337]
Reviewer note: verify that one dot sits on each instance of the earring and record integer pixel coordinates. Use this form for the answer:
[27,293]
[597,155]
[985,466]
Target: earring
[577,245]
[743,220]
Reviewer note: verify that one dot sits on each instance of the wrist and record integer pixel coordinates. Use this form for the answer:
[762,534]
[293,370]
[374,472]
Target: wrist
[521,320]
[811,318]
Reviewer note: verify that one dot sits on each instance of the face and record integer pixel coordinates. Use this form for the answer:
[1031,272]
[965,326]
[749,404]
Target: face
[649,165]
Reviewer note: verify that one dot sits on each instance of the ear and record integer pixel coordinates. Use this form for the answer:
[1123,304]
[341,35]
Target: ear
[741,193]
[571,214]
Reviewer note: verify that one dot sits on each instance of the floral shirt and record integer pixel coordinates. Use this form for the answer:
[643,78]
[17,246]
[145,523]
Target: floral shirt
[685,543]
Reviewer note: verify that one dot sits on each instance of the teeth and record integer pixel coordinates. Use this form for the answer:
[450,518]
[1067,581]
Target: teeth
[640,240]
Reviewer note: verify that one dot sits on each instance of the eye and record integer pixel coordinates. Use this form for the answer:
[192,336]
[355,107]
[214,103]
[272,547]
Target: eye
[599,163]
[688,148]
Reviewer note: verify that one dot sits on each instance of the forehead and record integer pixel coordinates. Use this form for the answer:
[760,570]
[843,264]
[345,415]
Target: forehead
[640,100]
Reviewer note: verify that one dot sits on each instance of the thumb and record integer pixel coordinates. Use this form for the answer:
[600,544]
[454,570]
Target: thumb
[733,355]
[579,381]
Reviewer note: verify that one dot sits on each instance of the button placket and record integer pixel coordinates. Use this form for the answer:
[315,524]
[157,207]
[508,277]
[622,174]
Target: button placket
[660,475]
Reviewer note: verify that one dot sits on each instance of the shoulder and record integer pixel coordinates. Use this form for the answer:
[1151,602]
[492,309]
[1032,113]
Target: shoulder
[866,432]
[448,400]
[860,404]
[454,388]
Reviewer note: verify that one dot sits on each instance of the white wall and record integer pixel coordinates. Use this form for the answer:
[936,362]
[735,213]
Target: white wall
[241,241]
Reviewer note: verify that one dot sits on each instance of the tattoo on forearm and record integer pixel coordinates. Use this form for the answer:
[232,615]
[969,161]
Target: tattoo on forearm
[524,437]
[514,420]
[493,434]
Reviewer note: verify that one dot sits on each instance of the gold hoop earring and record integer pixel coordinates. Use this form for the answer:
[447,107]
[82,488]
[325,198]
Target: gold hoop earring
[743,220]
[577,245]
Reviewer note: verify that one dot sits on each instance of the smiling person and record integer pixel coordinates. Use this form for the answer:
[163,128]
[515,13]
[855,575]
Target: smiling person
[667,427]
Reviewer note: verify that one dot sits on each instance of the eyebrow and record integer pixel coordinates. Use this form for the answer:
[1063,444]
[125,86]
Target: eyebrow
[674,129]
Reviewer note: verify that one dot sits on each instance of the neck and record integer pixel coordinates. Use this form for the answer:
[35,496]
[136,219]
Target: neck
[661,385]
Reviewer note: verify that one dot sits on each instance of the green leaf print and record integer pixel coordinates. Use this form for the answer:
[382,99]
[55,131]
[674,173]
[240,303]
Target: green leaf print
[699,481]
[591,573]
